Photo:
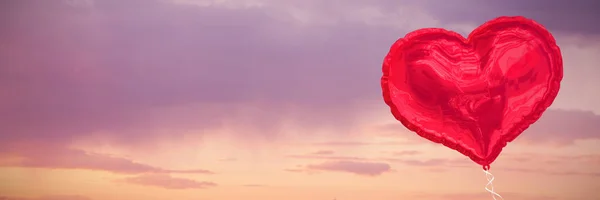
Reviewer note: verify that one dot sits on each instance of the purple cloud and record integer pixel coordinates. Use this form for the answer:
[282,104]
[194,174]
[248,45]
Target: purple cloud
[73,71]
[70,71]
[565,126]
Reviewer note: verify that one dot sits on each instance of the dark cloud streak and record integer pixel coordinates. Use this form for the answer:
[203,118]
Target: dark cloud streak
[571,17]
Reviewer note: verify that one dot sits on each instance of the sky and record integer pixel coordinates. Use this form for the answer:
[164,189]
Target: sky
[264,99]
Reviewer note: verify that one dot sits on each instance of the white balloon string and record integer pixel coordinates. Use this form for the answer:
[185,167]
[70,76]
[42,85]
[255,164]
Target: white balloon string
[490,186]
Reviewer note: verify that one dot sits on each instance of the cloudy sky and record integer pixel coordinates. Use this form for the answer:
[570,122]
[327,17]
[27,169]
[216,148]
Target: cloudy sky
[263,99]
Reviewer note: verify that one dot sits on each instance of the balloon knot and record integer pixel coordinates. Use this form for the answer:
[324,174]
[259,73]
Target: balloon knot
[486,167]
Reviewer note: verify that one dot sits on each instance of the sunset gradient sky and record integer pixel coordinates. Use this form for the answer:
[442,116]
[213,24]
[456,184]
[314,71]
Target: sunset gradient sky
[264,100]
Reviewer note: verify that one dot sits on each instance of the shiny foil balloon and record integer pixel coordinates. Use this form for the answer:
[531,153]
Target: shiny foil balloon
[476,94]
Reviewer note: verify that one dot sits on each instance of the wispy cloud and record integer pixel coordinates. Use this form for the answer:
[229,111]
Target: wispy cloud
[554,172]
[406,153]
[256,185]
[564,126]
[227,159]
[586,159]
[359,168]
[320,157]
[357,143]
[59,157]
[49,197]
[323,152]
[555,125]
[326,155]
[436,164]
[167,182]
[294,170]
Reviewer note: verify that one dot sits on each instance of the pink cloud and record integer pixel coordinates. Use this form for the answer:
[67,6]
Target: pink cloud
[462,162]
[593,159]
[167,182]
[435,164]
[590,159]
[326,155]
[321,157]
[256,185]
[294,170]
[553,172]
[227,159]
[359,143]
[429,162]
[406,153]
[37,155]
[359,168]
[50,197]
[323,152]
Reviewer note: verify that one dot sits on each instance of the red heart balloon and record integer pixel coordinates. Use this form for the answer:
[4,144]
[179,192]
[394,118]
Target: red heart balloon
[473,95]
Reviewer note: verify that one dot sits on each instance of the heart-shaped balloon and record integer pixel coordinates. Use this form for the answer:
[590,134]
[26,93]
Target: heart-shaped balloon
[473,95]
